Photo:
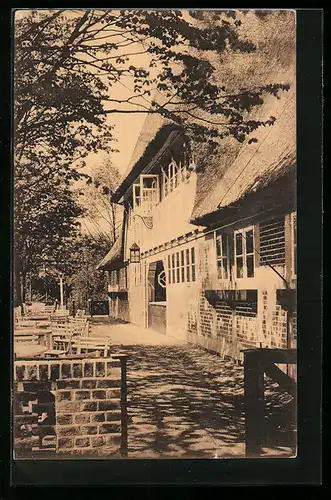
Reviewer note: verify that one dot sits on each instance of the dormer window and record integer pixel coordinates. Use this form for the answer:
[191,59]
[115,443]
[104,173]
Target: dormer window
[146,193]
[173,175]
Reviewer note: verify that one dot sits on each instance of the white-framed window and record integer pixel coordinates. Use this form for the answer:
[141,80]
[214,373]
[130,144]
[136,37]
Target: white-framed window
[244,252]
[177,268]
[193,264]
[173,275]
[146,193]
[182,266]
[222,255]
[294,243]
[172,175]
[169,268]
[188,273]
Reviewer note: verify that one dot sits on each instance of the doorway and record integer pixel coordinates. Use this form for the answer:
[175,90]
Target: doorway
[157,297]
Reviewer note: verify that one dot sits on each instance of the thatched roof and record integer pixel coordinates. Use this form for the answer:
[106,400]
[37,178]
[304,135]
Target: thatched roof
[156,135]
[245,168]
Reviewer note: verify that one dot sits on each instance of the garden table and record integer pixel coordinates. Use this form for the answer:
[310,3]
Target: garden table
[28,350]
[44,336]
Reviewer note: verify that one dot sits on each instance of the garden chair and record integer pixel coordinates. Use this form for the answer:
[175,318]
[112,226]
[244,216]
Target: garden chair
[101,345]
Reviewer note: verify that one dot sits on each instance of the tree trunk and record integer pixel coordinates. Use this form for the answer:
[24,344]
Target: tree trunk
[24,274]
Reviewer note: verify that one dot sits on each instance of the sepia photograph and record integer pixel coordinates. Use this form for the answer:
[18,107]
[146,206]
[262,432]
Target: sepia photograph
[154,234]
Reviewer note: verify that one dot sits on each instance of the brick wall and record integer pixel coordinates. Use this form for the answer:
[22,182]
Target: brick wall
[279,328]
[86,397]
[224,320]
[274,321]
[207,318]
[215,330]
[246,326]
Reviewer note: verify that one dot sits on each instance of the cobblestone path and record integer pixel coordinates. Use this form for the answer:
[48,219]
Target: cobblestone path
[183,402]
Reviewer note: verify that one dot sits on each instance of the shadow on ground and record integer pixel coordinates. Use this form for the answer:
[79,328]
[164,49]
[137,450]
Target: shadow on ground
[186,403]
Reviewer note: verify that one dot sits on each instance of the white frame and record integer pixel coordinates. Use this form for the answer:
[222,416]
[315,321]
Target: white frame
[177,264]
[188,265]
[218,233]
[243,231]
[169,269]
[193,264]
[173,171]
[182,265]
[140,185]
[135,197]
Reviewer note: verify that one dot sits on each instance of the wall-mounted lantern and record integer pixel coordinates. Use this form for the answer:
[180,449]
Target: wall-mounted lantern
[134,254]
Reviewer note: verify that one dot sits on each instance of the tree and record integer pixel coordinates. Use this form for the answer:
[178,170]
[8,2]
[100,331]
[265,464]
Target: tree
[67,65]
[84,280]
[45,219]
[67,62]
[102,218]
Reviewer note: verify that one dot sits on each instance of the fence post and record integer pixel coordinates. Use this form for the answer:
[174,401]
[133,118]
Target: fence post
[254,403]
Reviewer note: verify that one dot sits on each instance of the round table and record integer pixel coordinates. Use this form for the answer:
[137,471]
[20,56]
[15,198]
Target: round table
[44,336]
[23,350]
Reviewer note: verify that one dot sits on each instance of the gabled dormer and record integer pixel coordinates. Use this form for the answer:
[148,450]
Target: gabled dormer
[146,193]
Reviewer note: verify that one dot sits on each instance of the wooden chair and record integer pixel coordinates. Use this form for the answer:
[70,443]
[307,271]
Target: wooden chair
[80,326]
[27,339]
[60,315]
[100,345]
[61,343]
[17,314]
[25,323]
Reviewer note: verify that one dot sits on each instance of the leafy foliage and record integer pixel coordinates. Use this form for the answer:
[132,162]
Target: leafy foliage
[68,63]
[85,281]
[102,217]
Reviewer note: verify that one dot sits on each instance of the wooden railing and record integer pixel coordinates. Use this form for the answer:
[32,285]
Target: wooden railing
[258,362]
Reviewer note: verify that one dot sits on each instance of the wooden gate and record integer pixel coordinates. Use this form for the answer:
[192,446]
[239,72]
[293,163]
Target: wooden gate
[258,362]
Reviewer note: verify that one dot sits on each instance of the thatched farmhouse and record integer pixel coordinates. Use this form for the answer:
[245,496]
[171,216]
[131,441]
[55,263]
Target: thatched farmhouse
[208,254]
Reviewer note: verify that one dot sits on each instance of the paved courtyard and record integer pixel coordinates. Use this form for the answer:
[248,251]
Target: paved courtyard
[182,401]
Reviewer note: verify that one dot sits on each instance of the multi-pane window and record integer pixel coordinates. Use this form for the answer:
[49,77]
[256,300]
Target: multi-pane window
[182,266]
[249,240]
[146,193]
[244,253]
[169,269]
[193,263]
[188,264]
[172,175]
[294,243]
[222,255]
[177,267]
